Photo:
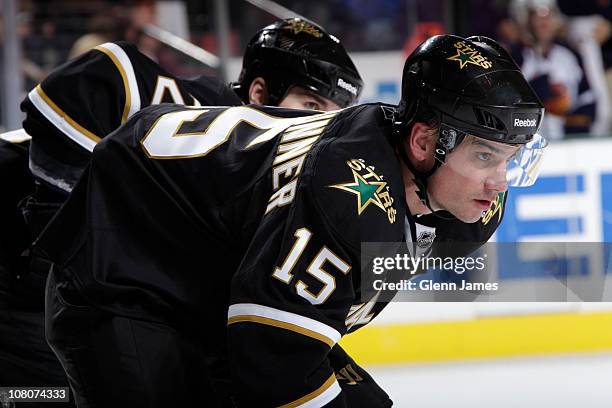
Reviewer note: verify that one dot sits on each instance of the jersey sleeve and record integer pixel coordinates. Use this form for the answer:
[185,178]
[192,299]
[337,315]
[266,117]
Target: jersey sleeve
[358,387]
[75,107]
[293,293]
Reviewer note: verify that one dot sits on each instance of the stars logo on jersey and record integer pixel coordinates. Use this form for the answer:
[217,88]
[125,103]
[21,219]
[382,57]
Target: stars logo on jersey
[349,375]
[298,26]
[468,55]
[496,208]
[369,189]
[366,192]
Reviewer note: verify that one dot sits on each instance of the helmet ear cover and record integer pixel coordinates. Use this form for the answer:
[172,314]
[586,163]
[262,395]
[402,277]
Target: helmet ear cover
[407,108]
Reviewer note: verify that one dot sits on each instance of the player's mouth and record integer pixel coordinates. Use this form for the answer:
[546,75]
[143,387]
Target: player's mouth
[483,204]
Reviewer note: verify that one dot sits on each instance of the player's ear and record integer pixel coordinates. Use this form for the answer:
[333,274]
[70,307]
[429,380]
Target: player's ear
[258,92]
[420,145]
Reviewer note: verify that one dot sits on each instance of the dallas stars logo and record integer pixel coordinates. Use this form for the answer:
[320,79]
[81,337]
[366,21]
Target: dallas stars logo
[464,58]
[368,188]
[496,208]
[298,26]
[468,55]
[366,191]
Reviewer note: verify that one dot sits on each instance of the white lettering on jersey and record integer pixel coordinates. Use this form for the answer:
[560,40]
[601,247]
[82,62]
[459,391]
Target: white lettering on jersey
[163,141]
[166,84]
[294,145]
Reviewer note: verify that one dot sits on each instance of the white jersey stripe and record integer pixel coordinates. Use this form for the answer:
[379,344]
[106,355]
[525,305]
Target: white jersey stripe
[319,397]
[61,120]
[243,312]
[16,136]
[124,65]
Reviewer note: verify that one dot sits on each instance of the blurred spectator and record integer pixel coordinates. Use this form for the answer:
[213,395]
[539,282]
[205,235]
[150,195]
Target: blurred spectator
[589,28]
[379,25]
[41,54]
[421,32]
[120,23]
[582,117]
[101,29]
[495,12]
[552,69]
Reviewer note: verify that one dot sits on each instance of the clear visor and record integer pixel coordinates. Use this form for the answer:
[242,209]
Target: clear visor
[524,168]
[518,165]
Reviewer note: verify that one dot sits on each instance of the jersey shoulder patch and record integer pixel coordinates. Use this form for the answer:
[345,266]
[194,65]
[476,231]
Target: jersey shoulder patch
[357,180]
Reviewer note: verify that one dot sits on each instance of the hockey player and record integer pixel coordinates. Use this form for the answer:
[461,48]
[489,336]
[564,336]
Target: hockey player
[203,235]
[84,100]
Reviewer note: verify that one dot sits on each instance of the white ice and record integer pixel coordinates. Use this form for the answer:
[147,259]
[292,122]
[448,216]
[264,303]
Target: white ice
[583,381]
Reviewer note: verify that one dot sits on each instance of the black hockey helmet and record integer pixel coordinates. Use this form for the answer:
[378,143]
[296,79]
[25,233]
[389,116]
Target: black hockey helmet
[475,88]
[298,52]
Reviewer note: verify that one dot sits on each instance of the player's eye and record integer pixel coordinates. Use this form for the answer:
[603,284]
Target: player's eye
[484,156]
[311,105]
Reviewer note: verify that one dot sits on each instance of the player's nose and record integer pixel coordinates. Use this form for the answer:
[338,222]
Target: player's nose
[497,181]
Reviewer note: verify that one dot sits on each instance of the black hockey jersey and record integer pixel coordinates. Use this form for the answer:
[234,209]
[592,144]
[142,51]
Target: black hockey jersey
[16,183]
[85,99]
[179,203]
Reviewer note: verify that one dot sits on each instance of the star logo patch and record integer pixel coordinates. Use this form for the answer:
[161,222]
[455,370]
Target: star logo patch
[468,55]
[298,26]
[368,188]
[365,191]
[464,58]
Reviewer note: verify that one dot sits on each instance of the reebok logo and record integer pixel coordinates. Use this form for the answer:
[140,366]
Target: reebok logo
[525,122]
[347,86]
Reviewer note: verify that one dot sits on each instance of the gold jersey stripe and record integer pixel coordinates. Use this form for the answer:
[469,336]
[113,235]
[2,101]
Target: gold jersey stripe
[126,86]
[283,325]
[308,397]
[65,116]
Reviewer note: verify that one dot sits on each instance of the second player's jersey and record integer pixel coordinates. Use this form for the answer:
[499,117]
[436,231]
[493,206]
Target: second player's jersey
[178,203]
[87,98]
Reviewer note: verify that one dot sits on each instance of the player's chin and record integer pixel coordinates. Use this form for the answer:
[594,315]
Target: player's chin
[468,216]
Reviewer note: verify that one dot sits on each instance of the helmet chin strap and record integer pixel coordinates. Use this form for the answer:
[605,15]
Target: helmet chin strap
[421,178]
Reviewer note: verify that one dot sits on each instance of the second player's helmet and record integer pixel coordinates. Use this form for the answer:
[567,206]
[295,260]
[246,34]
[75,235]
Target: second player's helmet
[298,52]
[474,87]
